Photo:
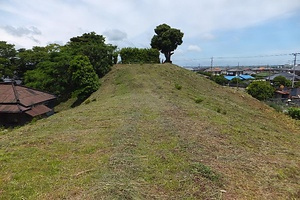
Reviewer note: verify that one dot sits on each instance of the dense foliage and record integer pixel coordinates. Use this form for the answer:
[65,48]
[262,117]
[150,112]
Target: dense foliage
[281,80]
[72,69]
[221,80]
[135,55]
[294,113]
[84,79]
[102,56]
[166,40]
[260,90]
[7,59]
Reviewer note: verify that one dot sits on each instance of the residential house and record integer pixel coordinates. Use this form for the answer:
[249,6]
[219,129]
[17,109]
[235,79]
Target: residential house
[297,70]
[242,77]
[295,93]
[287,75]
[235,72]
[214,71]
[20,104]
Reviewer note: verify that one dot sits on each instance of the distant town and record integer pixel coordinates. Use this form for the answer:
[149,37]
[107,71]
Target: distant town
[241,76]
[268,72]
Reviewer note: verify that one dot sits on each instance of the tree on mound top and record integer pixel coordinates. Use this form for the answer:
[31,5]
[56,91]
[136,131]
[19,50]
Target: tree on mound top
[166,40]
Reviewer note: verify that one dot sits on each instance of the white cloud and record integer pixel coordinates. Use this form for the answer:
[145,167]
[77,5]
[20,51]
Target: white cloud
[132,22]
[194,48]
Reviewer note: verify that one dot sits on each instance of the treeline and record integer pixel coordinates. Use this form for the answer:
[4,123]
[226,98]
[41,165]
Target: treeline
[68,70]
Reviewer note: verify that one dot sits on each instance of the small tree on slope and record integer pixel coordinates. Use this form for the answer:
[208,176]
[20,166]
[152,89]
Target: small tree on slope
[166,40]
[260,90]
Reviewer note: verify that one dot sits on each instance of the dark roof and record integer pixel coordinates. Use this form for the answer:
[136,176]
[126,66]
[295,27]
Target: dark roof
[235,70]
[17,98]
[288,76]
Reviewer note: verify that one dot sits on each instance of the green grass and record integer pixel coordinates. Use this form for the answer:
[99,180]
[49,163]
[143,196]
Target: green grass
[139,137]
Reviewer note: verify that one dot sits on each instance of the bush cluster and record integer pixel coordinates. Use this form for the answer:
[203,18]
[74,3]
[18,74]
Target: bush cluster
[178,86]
[136,55]
[294,113]
[260,90]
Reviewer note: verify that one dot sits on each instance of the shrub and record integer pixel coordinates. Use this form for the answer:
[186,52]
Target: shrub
[260,90]
[205,171]
[294,113]
[136,55]
[178,86]
[275,106]
[198,100]
[83,77]
[221,80]
[281,80]
[205,73]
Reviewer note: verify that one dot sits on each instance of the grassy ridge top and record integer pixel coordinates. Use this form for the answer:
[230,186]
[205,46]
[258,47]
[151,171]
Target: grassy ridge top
[142,137]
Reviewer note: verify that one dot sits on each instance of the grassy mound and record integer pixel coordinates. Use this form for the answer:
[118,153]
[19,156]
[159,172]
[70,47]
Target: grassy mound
[155,132]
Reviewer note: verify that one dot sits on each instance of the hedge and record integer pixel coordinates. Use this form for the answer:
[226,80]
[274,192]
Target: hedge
[136,55]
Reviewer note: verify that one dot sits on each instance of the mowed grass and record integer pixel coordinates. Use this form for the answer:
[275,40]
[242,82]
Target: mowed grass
[155,132]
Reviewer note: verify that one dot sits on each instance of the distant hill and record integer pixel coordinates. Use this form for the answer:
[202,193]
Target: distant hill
[155,132]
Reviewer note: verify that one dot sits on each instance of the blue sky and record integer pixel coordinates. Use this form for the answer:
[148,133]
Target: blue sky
[248,32]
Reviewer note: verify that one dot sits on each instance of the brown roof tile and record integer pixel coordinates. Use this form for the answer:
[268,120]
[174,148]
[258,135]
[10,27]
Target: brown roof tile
[38,110]
[12,108]
[16,98]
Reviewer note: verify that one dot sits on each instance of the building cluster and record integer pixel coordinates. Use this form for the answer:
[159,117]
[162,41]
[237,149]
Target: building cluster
[262,73]
[250,70]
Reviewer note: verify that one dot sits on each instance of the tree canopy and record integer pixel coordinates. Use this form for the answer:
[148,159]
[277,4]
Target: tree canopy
[260,90]
[7,59]
[166,40]
[281,80]
[102,56]
[73,69]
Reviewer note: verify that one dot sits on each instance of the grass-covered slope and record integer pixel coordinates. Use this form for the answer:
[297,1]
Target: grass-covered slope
[143,136]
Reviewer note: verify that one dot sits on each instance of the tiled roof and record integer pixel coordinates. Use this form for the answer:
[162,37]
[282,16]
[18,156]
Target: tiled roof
[38,110]
[12,108]
[16,98]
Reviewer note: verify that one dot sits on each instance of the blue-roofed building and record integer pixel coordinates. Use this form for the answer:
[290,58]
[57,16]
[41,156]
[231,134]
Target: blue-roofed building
[242,77]
[246,77]
[231,77]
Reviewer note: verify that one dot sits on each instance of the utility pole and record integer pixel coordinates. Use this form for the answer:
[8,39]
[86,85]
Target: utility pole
[295,63]
[211,63]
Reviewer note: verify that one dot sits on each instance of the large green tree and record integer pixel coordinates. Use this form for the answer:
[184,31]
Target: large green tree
[102,56]
[28,59]
[7,59]
[166,40]
[260,90]
[72,69]
[50,74]
[281,80]
[83,77]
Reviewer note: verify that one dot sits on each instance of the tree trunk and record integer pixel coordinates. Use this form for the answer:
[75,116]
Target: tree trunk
[168,57]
